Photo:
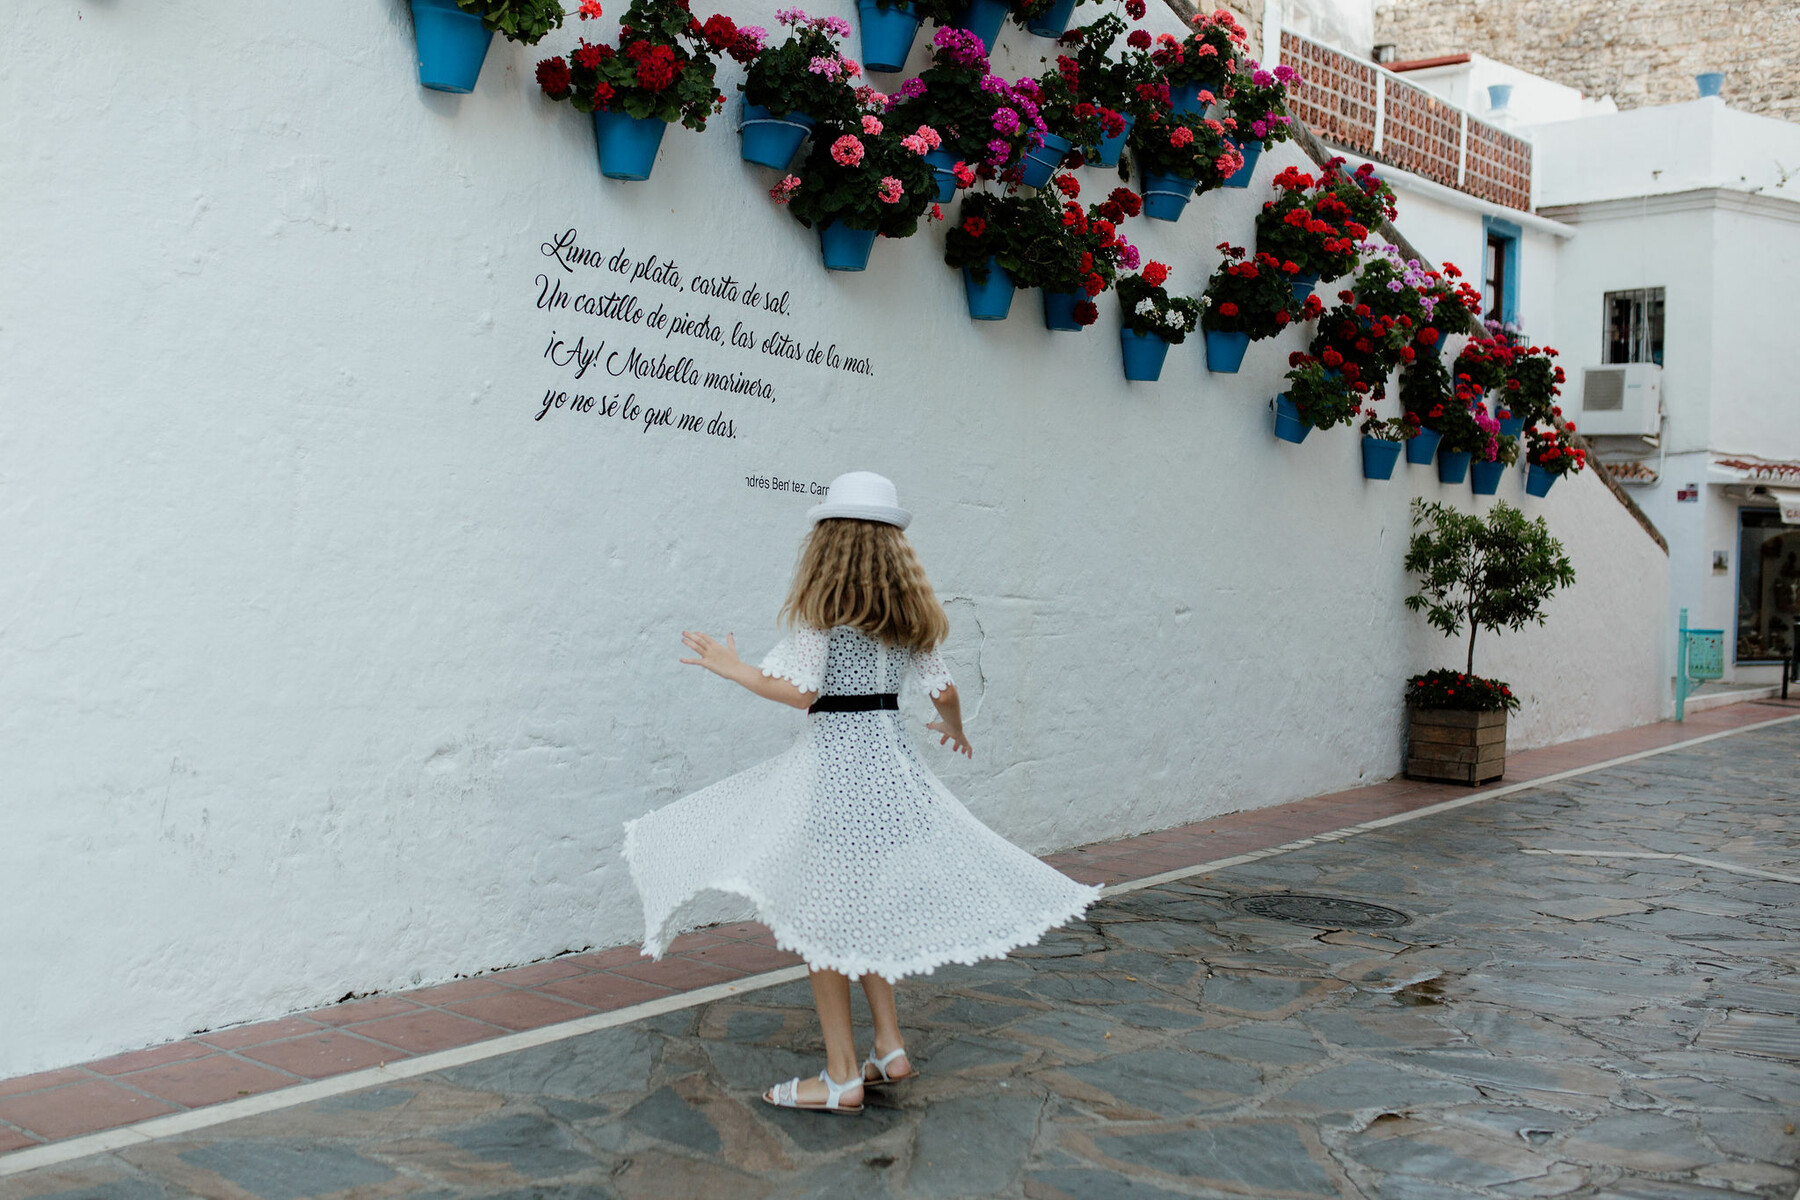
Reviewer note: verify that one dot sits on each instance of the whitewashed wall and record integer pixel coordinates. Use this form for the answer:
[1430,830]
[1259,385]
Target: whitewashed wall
[327,667]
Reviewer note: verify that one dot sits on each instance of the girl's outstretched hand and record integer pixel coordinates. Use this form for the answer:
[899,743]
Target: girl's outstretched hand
[720,660]
[948,735]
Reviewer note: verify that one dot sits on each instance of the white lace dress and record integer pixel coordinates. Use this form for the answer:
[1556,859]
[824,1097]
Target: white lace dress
[846,846]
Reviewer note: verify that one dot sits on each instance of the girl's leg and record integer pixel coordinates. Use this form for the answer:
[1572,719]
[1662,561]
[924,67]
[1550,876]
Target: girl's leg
[887,1024]
[831,994]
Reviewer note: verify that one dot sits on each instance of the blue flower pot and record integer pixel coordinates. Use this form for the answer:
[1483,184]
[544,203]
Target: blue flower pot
[1041,161]
[1185,98]
[1055,20]
[1303,285]
[943,169]
[1422,446]
[1453,465]
[1059,311]
[1512,427]
[989,301]
[1225,351]
[1379,457]
[983,18]
[1243,175]
[1288,425]
[1106,154]
[1484,477]
[452,45]
[1710,83]
[1143,353]
[628,144]
[769,140]
[845,249]
[887,34]
[1538,481]
[1165,196]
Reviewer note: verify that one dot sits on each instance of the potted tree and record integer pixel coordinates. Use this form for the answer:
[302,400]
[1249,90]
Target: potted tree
[453,35]
[859,181]
[1151,321]
[661,72]
[792,87]
[1494,574]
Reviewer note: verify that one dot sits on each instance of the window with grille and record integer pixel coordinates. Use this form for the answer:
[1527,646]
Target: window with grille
[1634,326]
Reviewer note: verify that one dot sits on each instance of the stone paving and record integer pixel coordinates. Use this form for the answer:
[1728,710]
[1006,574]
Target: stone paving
[1543,1025]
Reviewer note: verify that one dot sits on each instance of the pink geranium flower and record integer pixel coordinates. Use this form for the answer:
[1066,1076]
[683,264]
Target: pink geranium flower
[890,191]
[847,151]
[871,125]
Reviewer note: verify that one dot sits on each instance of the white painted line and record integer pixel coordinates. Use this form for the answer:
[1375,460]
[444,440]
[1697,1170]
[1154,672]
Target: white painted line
[1430,810]
[173,1124]
[1714,863]
[305,1093]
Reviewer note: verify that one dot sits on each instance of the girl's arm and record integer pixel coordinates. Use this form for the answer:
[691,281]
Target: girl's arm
[949,722]
[724,661]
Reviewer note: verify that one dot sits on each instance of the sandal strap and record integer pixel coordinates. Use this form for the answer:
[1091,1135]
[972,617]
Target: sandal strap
[881,1064]
[834,1090]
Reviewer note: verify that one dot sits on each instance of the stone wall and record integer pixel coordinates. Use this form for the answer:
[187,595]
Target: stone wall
[1642,52]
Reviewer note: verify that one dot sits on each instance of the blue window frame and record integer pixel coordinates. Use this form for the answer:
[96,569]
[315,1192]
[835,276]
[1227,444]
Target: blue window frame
[1500,271]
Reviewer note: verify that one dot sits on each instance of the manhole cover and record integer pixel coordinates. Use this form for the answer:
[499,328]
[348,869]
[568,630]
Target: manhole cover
[1324,911]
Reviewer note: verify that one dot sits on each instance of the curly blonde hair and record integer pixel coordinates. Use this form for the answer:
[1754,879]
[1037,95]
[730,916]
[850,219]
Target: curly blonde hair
[865,574]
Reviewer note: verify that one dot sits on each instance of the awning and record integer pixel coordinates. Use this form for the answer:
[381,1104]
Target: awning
[1789,499]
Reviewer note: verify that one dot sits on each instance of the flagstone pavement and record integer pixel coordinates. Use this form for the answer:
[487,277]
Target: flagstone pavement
[1619,1023]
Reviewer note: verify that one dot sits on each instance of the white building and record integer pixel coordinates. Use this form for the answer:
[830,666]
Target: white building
[1647,247]
[334,659]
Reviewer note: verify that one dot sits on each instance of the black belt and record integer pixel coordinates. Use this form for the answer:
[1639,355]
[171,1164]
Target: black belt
[889,701]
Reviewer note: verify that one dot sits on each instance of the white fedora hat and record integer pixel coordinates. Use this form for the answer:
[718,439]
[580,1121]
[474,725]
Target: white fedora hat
[863,496]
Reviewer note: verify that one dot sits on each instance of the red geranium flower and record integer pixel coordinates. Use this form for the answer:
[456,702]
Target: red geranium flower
[553,77]
[1155,274]
[1085,312]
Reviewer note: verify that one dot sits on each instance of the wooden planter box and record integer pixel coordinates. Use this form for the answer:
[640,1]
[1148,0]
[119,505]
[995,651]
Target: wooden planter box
[1456,747]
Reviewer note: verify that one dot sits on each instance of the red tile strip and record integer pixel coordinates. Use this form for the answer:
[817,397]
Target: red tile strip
[223,1065]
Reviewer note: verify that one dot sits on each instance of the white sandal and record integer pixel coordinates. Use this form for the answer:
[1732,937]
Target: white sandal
[787,1095]
[881,1069]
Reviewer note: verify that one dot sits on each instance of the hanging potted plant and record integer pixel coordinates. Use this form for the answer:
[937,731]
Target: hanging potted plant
[792,87]
[1151,321]
[1551,455]
[1121,89]
[1382,438]
[1531,382]
[1180,157]
[981,245]
[1490,464]
[661,72]
[1317,397]
[889,27]
[1247,300]
[1256,102]
[1494,574]
[1198,67]
[1310,227]
[1071,120]
[1461,435]
[858,181]
[1072,253]
[986,124]
[452,36]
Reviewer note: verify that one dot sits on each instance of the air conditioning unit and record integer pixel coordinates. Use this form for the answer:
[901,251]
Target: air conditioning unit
[1621,401]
